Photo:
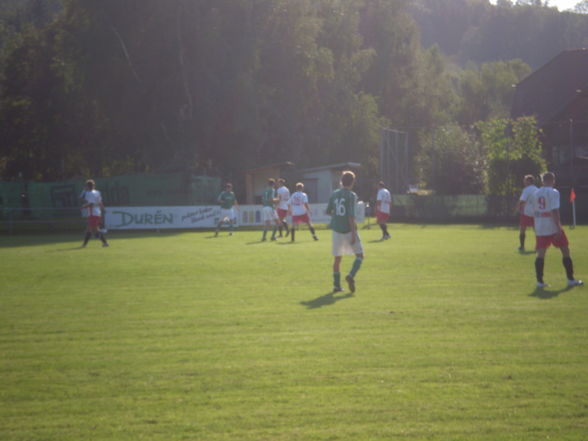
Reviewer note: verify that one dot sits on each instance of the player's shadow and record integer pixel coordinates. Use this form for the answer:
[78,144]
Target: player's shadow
[525,252]
[325,300]
[545,294]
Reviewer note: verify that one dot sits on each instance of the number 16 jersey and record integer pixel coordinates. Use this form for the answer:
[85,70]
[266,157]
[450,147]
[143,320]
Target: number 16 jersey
[341,206]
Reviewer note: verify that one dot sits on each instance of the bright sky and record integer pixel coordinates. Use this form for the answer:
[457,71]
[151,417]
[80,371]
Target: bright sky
[562,5]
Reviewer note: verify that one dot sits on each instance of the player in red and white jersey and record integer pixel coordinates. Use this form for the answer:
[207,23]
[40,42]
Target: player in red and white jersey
[383,203]
[543,205]
[524,220]
[298,207]
[283,195]
[93,203]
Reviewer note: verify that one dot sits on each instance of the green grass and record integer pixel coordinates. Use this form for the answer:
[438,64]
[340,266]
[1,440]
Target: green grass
[181,336]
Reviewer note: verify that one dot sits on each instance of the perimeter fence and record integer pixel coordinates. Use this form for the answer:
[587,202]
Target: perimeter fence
[457,208]
[476,208]
[472,209]
[126,190]
[43,220]
[405,208]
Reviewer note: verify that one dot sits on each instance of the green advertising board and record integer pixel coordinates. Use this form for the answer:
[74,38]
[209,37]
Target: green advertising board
[127,190]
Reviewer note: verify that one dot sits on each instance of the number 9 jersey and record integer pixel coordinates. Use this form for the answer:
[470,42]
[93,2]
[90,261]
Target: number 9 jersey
[540,205]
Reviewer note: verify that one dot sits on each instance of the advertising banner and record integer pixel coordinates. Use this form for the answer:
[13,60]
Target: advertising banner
[155,218]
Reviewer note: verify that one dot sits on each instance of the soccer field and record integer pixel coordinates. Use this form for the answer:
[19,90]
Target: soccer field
[183,336]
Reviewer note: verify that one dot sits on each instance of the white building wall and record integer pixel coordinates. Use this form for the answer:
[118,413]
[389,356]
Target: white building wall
[324,186]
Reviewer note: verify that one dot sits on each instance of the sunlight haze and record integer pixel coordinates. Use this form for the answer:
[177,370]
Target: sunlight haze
[562,5]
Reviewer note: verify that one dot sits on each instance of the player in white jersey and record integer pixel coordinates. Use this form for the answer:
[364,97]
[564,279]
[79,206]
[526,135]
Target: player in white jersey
[283,195]
[543,205]
[300,211]
[524,220]
[95,209]
[383,204]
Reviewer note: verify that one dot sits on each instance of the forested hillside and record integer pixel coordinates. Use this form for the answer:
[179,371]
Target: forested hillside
[475,30]
[217,86]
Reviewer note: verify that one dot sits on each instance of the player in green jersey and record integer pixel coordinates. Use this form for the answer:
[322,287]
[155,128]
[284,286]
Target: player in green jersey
[227,201]
[268,201]
[346,240]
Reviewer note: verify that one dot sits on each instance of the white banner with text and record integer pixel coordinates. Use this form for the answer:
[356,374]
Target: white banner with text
[154,218]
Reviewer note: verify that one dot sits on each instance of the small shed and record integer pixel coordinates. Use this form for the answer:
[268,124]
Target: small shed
[320,182]
[256,179]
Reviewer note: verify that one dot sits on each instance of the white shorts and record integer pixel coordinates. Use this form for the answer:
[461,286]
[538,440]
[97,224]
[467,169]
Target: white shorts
[342,244]
[269,214]
[227,213]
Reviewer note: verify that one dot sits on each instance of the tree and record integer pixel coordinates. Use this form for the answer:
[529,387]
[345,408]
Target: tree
[452,161]
[531,3]
[581,7]
[487,92]
[393,36]
[446,22]
[219,86]
[34,105]
[514,149]
[533,33]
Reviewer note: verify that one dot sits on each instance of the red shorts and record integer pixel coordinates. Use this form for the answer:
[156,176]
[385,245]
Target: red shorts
[282,213]
[382,217]
[94,221]
[526,221]
[303,218]
[543,242]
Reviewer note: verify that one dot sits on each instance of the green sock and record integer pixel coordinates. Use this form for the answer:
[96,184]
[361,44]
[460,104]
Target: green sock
[274,231]
[356,266]
[337,280]
[264,233]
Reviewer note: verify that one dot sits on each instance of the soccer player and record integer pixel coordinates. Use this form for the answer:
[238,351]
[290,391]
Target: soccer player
[346,241]
[383,203]
[544,206]
[268,201]
[300,210]
[93,203]
[228,202]
[524,220]
[283,195]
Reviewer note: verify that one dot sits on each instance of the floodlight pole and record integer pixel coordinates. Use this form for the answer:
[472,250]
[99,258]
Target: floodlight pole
[394,158]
